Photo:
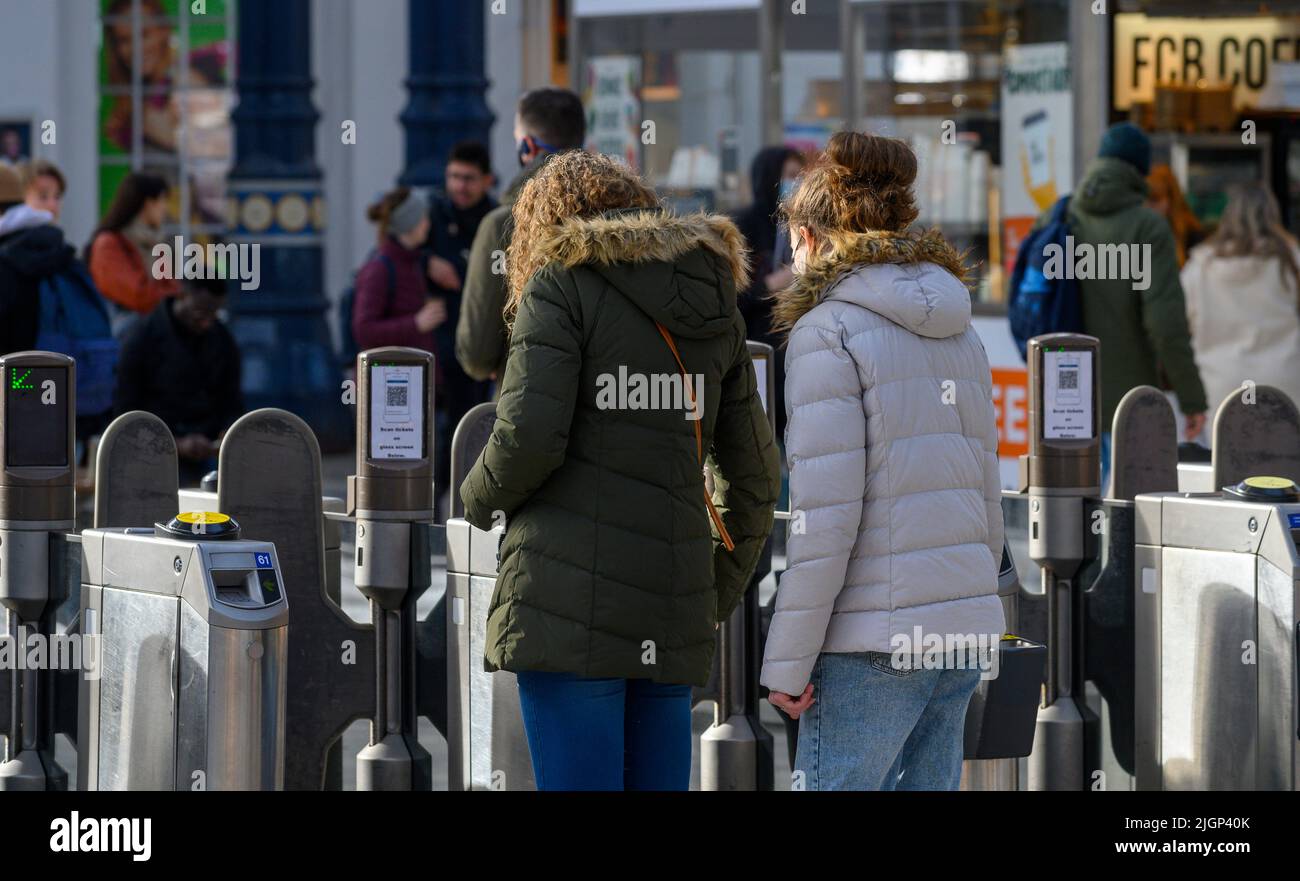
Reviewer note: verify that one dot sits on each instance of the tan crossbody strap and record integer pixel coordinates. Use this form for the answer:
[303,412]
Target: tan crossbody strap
[699,438]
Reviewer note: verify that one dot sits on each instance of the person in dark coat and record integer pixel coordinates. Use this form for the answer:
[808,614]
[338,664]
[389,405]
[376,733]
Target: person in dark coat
[615,573]
[772,175]
[182,364]
[454,218]
[393,306]
[31,250]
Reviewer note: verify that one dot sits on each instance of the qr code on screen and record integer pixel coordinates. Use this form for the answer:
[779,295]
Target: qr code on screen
[1068,379]
[397,396]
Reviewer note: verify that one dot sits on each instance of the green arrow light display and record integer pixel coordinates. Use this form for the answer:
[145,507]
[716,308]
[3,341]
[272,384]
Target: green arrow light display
[20,383]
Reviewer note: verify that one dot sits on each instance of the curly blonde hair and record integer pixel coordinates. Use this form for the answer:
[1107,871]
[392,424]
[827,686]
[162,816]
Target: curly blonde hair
[570,185]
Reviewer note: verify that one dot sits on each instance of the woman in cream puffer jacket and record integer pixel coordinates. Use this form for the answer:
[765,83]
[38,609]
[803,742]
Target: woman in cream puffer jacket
[891,440]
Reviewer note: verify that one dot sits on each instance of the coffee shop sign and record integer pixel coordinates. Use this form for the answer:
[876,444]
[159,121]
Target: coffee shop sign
[1242,52]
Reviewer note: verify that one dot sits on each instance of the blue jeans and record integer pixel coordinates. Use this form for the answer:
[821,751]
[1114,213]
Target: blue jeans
[606,734]
[875,727]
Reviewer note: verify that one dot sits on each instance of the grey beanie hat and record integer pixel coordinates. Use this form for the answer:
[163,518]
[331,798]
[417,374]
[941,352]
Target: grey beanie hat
[406,216]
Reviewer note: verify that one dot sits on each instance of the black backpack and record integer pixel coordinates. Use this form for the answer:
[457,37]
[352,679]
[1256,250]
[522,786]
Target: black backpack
[348,343]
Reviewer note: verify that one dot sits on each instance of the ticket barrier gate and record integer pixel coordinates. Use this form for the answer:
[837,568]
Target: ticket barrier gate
[190,633]
[1217,585]
[1100,727]
[270,479]
[1220,576]
[163,657]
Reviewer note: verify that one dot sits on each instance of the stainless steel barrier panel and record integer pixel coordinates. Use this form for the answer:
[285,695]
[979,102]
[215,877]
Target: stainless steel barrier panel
[1222,572]
[270,481]
[192,648]
[486,744]
[1256,431]
[997,775]
[135,473]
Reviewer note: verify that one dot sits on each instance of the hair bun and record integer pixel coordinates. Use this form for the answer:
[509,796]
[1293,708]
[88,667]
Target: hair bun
[871,160]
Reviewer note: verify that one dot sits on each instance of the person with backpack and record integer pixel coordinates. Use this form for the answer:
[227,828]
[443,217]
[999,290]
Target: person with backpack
[120,252]
[49,302]
[616,566]
[31,249]
[1141,322]
[392,305]
[892,443]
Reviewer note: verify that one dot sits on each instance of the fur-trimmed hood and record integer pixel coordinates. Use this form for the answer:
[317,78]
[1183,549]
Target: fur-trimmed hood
[915,279]
[684,271]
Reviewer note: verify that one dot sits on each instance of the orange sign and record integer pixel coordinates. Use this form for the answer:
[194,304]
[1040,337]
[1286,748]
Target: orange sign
[1011,403]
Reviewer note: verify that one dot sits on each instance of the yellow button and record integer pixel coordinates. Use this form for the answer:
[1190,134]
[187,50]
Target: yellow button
[204,517]
[1269,483]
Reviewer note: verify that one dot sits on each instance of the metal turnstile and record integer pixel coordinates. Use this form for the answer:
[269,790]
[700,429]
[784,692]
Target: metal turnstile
[191,637]
[1000,775]
[486,744]
[1219,577]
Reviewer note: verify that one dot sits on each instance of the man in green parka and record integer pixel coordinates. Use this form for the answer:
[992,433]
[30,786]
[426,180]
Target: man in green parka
[1139,317]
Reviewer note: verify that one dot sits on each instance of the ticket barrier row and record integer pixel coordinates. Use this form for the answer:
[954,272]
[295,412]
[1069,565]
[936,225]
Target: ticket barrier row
[197,659]
[203,677]
[1102,726]
[1170,614]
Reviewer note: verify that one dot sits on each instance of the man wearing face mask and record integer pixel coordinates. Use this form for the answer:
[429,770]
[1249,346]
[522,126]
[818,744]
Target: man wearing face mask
[547,121]
[772,175]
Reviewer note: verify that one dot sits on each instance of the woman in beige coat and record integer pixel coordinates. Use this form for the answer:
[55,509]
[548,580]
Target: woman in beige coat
[1243,299]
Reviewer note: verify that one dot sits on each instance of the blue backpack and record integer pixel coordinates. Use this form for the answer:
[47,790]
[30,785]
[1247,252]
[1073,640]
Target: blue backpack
[75,322]
[1039,304]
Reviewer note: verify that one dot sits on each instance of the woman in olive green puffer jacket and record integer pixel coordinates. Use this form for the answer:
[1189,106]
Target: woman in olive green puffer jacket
[612,580]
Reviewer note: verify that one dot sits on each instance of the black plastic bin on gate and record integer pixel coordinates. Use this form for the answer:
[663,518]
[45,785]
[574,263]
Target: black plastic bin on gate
[1002,714]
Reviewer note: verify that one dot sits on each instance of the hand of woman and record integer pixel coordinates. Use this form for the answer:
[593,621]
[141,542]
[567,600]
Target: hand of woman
[432,314]
[789,705]
[443,274]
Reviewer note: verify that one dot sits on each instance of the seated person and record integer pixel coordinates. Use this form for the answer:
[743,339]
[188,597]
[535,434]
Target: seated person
[182,364]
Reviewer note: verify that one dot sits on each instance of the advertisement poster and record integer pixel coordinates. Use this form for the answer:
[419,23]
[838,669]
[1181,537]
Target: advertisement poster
[1037,138]
[165,92]
[397,411]
[613,102]
[1010,394]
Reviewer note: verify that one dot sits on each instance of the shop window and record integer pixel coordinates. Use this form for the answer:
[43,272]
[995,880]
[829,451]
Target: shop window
[982,92]
[676,96]
[165,93]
